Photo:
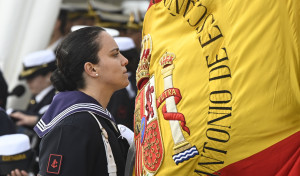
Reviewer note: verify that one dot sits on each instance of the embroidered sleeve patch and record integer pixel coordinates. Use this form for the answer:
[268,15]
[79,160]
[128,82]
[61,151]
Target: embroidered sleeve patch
[54,163]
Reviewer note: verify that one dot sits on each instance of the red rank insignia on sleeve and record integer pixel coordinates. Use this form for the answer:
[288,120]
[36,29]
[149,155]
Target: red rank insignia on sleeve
[54,164]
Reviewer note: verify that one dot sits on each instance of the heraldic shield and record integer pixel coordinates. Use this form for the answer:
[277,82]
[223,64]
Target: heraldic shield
[148,141]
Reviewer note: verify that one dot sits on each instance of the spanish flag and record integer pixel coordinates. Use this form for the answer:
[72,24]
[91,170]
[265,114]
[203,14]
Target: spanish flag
[219,89]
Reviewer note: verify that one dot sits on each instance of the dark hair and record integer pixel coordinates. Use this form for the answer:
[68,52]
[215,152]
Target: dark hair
[75,50]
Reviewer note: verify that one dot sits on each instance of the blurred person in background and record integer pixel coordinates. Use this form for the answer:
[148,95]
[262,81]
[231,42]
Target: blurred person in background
[3,91]
[59,30]
[114,17]
[6,124]
[134,31]
[77,14]
[17,156]
[38,67]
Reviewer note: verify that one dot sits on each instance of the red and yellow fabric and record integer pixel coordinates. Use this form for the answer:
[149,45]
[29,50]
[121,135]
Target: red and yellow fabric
[219,89]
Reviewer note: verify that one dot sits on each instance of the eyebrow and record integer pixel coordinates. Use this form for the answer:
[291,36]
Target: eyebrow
[115,49]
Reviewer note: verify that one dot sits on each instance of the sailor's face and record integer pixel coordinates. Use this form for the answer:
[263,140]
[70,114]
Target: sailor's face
[112,70]
[38,83]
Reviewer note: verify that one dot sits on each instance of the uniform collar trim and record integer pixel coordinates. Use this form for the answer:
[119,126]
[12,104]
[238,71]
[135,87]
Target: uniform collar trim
[65,104]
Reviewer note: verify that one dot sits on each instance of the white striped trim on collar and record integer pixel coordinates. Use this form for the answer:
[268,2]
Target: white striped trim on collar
[42,126]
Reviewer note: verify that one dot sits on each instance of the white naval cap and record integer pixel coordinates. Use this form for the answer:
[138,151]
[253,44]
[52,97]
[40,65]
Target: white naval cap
[106,7]
[15,153]
[38,62]
[125,43]
[12,144]
[39,58]
[137,7]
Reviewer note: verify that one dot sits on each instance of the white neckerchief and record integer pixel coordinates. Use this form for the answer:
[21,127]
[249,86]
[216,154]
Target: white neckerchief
[39,97]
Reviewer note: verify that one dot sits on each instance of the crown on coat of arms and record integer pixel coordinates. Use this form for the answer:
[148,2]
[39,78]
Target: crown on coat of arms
[142,72]
[167,59]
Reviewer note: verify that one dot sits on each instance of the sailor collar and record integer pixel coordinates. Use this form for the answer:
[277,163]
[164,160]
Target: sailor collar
[65,104]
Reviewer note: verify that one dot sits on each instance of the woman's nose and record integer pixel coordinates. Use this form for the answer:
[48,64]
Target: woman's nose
[125,60]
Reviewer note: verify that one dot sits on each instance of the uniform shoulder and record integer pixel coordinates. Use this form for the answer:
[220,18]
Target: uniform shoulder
[82,120]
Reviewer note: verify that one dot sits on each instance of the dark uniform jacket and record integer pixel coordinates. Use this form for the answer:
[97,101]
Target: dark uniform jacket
[74,146]
[3,91]
[36,108]
[6,124]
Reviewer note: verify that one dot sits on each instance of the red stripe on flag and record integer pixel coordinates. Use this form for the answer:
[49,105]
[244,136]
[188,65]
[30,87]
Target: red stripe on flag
[138,159]
[153,2]
[281,159]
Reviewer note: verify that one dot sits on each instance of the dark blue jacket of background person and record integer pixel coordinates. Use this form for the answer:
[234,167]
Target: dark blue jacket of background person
[6,124]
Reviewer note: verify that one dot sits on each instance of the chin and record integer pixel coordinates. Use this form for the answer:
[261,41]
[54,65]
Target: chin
[126,84]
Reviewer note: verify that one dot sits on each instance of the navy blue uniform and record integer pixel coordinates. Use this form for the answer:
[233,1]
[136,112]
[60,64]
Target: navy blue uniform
[75,147]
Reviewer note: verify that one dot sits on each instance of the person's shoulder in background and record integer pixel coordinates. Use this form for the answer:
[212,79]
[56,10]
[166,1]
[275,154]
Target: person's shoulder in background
[6,124]
[3,91]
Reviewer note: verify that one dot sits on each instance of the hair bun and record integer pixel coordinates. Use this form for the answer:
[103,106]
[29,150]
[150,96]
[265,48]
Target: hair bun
[61,82]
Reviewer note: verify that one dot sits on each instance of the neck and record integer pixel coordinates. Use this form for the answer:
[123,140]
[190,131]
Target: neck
[101,95]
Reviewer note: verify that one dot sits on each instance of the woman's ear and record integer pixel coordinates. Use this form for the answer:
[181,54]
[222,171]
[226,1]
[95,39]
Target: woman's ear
[90,70]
